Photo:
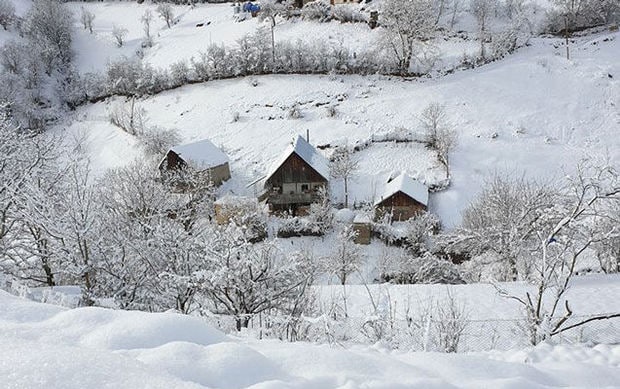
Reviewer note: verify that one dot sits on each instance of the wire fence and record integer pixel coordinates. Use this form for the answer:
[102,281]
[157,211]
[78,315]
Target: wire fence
[422,335]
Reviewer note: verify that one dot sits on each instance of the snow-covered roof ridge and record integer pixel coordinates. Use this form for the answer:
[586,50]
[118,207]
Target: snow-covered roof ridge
[305,151]
[202,153]
[409,186]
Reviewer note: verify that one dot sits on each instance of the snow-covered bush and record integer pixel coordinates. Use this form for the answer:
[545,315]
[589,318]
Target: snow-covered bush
[425,269]
[179,74]
[418,230]
[349,13]
[503,43]
[294,112]
[7,13]
[299,226]
[317,10]
[130,77]
[119,33]
[128,117]
[157,141]
[321,213]
[398,134]
[581,14]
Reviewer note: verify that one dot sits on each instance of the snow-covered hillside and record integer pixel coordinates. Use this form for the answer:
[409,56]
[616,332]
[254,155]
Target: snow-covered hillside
[52,347]
[534,112]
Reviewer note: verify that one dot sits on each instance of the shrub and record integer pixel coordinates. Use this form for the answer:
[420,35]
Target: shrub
[317,10]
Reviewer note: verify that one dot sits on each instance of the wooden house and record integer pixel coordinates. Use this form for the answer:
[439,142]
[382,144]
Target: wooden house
[403,197]
[202,157]
[294,180]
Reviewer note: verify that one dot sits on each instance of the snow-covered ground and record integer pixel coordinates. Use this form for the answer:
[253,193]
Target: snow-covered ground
[52,347]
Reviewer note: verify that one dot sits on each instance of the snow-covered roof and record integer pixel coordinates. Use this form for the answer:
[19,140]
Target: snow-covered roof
[403,183]
[306,152]
[202,154]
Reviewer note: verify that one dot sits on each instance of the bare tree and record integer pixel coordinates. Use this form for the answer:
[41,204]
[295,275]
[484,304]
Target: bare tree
[455,11]
[346,256]
[269,10]
[439,133]
[482,11]
[343,166]
[147,19]
[119,33]
[87,17]
[450,322]
[165,12]
[563,234]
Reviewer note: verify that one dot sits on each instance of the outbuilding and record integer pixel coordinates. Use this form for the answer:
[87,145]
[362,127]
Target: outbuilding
[403,197]
[202,157]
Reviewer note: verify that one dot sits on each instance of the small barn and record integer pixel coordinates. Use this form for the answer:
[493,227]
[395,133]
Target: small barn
[294,180]
[202,157]
[403,197]
[362,228]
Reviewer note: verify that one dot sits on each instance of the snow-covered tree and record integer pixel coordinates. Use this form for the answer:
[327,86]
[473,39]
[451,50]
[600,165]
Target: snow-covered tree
[343,165]
[7,13]
[404,22]
[165,12]
[499,222]
[482,11]
[245,279]
[562,234]
[24,156]
[87,18]
[270,10]
[346,257]
[438,132]
[147,20]
[48,24]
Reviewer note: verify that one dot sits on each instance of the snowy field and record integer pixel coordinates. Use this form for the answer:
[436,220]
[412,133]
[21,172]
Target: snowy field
[53,347]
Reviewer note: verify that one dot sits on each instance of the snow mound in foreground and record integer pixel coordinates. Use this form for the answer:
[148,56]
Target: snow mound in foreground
[52,347]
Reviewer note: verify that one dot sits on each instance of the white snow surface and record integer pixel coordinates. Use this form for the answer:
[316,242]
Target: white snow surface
[202,154]
[407,185]
[53,347]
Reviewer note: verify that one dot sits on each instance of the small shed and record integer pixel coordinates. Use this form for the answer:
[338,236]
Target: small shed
[403,197]
[362,228]
[202,156]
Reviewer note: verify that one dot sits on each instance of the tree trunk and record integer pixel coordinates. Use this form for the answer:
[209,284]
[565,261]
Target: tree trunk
[346,192]
[242,322]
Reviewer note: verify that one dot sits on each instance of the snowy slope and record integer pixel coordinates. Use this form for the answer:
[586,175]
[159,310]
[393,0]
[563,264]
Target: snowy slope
[547,113]
[45,346]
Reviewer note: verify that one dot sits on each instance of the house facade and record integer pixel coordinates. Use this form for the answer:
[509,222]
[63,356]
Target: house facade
[403,197]
[203,157]
[296,178]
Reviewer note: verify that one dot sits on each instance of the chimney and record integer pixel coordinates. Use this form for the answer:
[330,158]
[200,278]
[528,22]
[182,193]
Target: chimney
[308,135]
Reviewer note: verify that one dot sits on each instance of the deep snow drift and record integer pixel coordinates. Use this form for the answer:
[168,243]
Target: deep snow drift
[51,347]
